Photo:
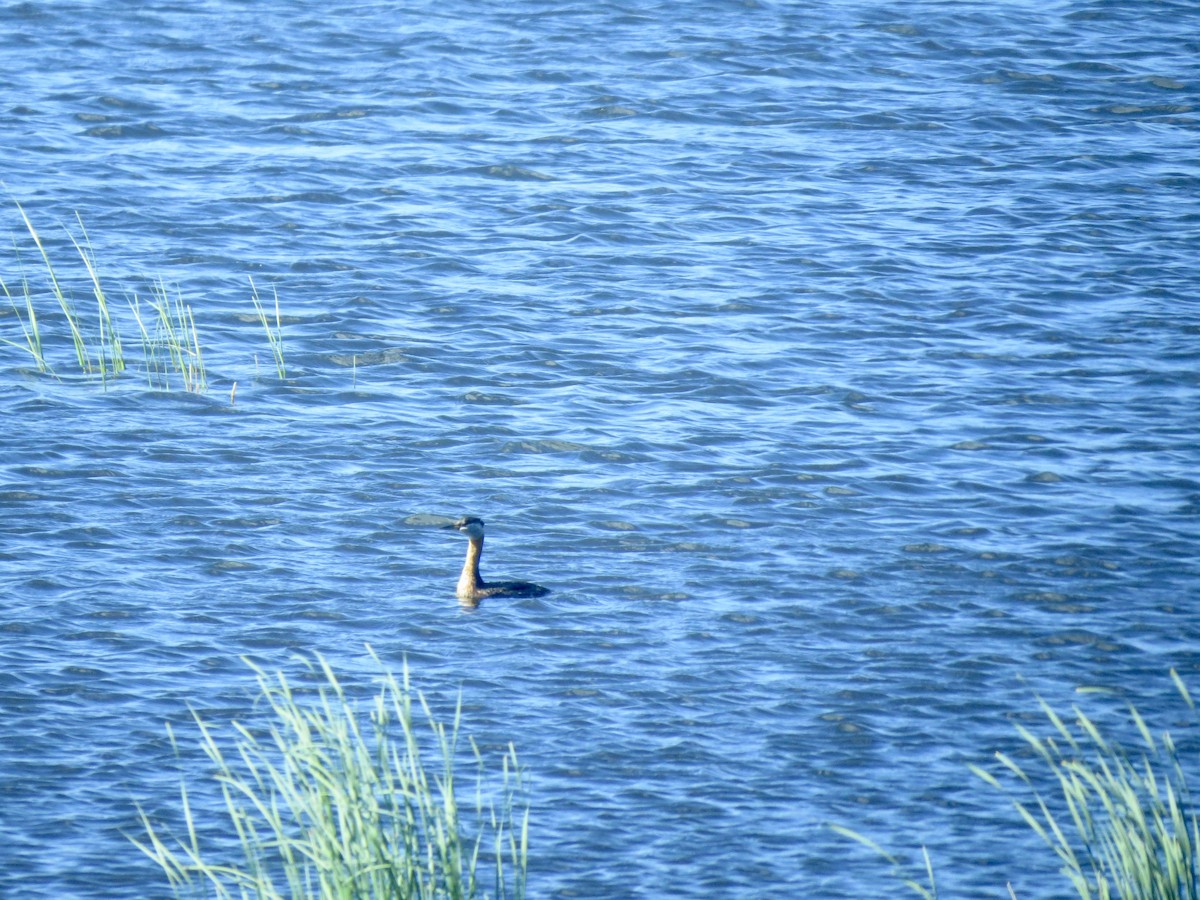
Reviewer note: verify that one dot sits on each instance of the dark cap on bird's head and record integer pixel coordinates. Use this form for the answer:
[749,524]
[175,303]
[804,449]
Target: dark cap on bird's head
[471,526]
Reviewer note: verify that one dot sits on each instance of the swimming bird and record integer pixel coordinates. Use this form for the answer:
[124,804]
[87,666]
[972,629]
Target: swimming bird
[471,586]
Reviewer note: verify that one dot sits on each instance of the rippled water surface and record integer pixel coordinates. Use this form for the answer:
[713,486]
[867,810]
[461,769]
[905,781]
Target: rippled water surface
[837,364]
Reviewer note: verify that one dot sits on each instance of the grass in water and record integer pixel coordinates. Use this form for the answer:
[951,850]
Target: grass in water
[64,301]
[1127,826]
[326,802]
[167,329]
[29,326]
[275,338]
[170,343]
[111,358]
[1131,829]
[929,893]
[165,325]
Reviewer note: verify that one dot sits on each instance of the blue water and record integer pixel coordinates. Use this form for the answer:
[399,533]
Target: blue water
[837,364]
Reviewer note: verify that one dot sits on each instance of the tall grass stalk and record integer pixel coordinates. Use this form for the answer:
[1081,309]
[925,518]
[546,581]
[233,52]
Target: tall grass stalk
[170,343]
[157,373]
[29,326]
[111,355]
[1131,829]
[275,338]
[928,893]
[64,302]
[168,334]
[326,802]
[1128,828]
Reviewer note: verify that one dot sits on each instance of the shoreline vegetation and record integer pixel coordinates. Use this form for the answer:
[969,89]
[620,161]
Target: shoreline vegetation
[328,801]
[1123,824]
[325,801]
[163,323]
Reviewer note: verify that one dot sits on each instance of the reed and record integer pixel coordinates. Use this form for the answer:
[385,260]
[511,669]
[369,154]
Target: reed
[64,301]
[182,340]
[275,338]
[156,368]
[170,343]
[929,893]
[1130,828]
[110,357]
[166,328]
[326,802]
[29,326]
[169,338]
[1126,825]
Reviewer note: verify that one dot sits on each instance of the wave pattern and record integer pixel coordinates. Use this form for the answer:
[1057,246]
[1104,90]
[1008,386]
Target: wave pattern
[835,363]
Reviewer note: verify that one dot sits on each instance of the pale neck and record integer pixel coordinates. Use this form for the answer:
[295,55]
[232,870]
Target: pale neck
[470,573]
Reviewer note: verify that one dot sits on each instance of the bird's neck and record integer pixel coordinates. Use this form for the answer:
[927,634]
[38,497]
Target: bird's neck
[470,578]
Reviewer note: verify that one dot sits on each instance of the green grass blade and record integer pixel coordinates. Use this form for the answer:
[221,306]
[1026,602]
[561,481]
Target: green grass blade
[110,336]
[327,802]
[81,353]
[29,326]
[275,337]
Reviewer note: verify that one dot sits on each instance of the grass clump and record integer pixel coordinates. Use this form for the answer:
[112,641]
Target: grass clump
[1131,829]
[1126,825]
[31,328]
[164,323]
[170,343]
[326,802]
[110,356]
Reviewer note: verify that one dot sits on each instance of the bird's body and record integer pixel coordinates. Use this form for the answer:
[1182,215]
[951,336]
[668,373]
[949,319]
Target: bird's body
[471,586]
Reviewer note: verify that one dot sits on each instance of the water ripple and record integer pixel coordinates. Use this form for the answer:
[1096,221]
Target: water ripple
[834,364]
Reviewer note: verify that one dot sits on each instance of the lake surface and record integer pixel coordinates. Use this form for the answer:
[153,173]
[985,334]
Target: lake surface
[836,363]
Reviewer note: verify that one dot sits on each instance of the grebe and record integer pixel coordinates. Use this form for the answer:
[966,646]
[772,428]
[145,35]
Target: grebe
[471,587]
